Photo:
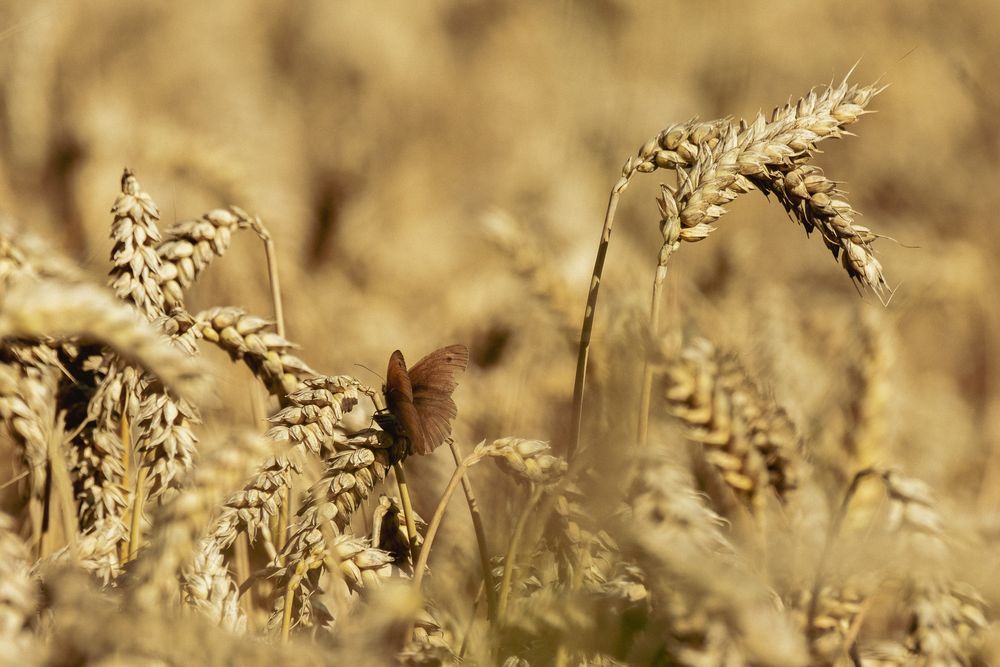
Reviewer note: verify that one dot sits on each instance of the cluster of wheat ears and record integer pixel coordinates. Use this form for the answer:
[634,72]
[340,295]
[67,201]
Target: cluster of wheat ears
[703,537]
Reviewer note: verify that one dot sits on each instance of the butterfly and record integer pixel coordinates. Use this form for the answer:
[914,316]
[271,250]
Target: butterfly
[418,400]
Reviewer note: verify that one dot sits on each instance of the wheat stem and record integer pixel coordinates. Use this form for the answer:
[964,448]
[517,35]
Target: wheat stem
[293,583]
[275,283]
[477,524]
[411,524]
[279,324]
[647,368]
[435,524]
[588,315]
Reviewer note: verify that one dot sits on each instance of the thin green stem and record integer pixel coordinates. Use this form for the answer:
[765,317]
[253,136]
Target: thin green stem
[588,316]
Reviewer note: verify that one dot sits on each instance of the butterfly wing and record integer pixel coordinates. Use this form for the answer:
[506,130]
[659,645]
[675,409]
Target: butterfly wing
[399,399]
[433,379]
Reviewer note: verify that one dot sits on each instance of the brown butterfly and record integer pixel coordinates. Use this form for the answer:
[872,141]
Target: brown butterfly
[419,400]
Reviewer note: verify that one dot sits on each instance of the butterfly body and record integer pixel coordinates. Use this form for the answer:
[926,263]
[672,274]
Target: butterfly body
[419,399]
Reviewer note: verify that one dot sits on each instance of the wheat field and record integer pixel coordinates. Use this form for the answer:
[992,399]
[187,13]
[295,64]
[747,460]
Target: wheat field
[725,288]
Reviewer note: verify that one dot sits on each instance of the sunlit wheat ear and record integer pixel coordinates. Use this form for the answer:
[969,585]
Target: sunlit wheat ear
[91,314]
[253,341]
[24,256]
[135,276]
[96,551]
[529,461]
[834,622]
[716,162]
[189,247]
[310,426]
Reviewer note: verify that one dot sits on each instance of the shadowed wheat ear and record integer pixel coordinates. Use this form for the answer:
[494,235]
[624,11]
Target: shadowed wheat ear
[746,438]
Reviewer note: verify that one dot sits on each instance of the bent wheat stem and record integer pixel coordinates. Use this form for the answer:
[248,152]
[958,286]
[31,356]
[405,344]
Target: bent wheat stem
[477,524]
[588,315]
[442,507]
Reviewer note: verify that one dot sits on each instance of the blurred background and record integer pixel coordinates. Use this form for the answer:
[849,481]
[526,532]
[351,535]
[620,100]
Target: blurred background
[437,172]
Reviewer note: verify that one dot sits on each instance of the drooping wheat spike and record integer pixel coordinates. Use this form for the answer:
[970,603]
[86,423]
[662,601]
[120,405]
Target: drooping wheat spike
[190,246]
[746,437]
[718,161]
[729,169]
[135,272]
[253,341]
[788,138]
[19,596]
[817,203]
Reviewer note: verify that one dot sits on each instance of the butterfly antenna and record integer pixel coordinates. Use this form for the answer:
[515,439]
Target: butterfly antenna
[372,372]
